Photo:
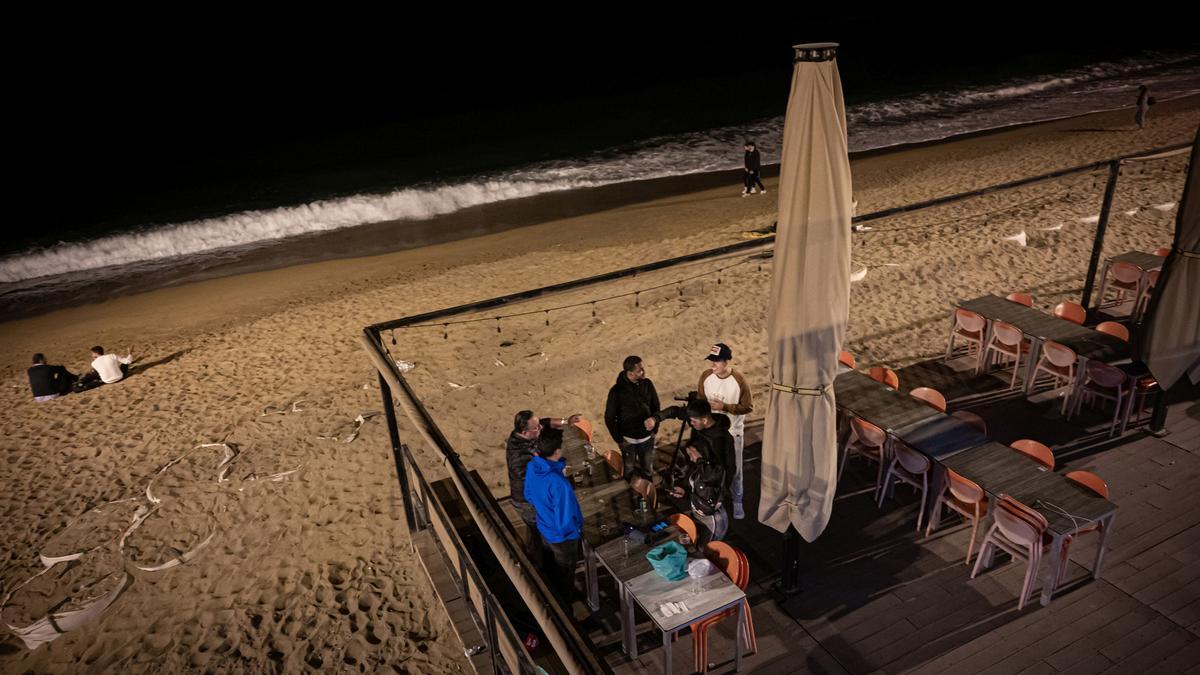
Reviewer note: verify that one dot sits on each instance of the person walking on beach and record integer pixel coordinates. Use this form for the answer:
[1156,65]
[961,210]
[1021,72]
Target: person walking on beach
[106,368]
[1144,101]
[629,416]
[49,382]
[709,468]
[752,163]
[559,520]
[527,434]
[727,392]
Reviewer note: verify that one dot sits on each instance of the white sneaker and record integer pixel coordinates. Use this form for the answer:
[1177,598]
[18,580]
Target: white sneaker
[745,194]
[764,192]
[738,512]
[753,191]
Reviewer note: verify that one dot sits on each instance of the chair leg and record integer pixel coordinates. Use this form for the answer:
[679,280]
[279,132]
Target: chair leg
[984,552]
[971,544]
[887,479]
[924,498]
[1030,575]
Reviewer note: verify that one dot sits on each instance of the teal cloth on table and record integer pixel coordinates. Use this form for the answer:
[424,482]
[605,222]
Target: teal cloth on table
[669,560]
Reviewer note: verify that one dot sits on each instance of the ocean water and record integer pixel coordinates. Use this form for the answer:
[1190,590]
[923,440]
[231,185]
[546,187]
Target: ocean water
[136,252]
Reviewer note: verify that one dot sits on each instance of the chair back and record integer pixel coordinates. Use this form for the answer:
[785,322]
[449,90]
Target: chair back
[745,563]
[1090,481]
[969,322]
[1114,329]
[725,557]
[1071,311]
[972,419]
[615,460]
[912,461]
[931,397]
[1059,355]
[1007,334]
[1021,299]
[964,489]
[1162,251]
[1019,523]
[1105,375]
[646,489]
[1126,273]
[1152,278]
[885,375]
[1035,451]
[846,359]
[684,524]
[868,434]
[585,427]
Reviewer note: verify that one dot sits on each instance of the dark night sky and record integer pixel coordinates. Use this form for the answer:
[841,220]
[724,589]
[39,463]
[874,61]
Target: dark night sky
[109,116]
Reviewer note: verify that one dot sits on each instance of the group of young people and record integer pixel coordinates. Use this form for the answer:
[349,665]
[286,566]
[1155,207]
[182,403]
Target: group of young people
[48,382]
[707,470]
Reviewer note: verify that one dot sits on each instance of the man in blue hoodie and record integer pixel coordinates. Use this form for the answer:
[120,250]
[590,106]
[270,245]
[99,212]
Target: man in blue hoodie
[559,519]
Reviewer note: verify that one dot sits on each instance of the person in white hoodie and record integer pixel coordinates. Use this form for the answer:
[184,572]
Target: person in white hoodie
[728,393]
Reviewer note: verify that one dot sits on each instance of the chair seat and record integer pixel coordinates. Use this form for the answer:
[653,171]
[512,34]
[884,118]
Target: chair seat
[965,508]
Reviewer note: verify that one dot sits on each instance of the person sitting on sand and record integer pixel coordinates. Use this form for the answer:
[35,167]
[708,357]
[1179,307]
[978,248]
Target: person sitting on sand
[49,382]
[106,368]
[528,432]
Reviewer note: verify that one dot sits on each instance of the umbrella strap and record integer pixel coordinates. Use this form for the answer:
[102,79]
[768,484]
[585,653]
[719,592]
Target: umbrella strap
[802,391]
[1187,254]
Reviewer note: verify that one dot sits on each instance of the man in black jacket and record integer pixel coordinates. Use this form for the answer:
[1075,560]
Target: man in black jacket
[709,467]
[529,436]
[629,416]
[49,382]
[752,163]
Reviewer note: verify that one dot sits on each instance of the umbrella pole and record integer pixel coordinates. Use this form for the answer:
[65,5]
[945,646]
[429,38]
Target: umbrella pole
[789,582]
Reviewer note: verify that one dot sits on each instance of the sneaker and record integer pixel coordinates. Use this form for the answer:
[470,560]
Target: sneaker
[753,191]
[738,512]
[764,192]
[745,194]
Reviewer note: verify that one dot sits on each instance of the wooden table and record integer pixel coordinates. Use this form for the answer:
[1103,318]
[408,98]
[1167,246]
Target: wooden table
[1067,506]
[857,394]
[1041,326]
[625,561]
[705,597]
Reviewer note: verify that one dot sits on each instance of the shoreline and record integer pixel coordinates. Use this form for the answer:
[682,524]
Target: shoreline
[29,298]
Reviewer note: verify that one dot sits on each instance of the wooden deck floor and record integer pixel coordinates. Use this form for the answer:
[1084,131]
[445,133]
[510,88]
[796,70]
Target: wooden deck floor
[878,597]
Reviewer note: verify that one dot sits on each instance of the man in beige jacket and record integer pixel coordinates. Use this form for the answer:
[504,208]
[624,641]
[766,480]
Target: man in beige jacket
[728,393]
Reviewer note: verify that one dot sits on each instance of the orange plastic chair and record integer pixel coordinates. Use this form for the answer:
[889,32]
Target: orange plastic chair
[1103,381]
[964,497]
[1114,329]
[646,490]
[968,328]
[868,441]
[931,397]
[1124,278]
[1143,301]
[846,359]
[1071,311]
[972,419]
[885,375]
[1021,531]
[1007,343]
[1035,451]
[615,460]
[1058,361]
[911,467]
[684,523]
[1162,251]
[1143,388]
[734,564]
[1021,299]
[585,427]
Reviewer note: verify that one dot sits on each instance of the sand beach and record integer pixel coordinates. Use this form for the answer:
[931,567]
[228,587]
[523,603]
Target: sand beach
[273,536]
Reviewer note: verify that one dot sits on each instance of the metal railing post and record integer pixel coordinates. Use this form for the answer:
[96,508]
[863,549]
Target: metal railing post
[397,451]
[1114,170]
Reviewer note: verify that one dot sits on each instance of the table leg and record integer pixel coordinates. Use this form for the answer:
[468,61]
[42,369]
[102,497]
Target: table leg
[628,627]
[1050,580]
[737,637]
[592,577]
[1102,544]
[667,651]
[1035,353]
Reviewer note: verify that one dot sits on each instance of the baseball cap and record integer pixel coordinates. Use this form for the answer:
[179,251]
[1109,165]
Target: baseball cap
[720,352]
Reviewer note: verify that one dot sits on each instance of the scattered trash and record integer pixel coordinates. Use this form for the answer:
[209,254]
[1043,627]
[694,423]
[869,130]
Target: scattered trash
[500,363]
[283,409]
[859,275]
[1132,212]
[1052,228]
[346,434]
[1090,220]
[405,366]
[1167,206]
[861,228]
[1020,238]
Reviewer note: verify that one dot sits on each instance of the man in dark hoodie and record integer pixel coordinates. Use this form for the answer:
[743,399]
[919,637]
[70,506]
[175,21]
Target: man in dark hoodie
[529,432]
[559,520]
[49,382]
[753,165]
[709,467]
[629,416]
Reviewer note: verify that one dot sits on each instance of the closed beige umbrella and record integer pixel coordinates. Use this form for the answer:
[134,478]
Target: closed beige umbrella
[1170,342]
[810,297]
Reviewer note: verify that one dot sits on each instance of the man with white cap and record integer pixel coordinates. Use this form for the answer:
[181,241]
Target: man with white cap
[728,393]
